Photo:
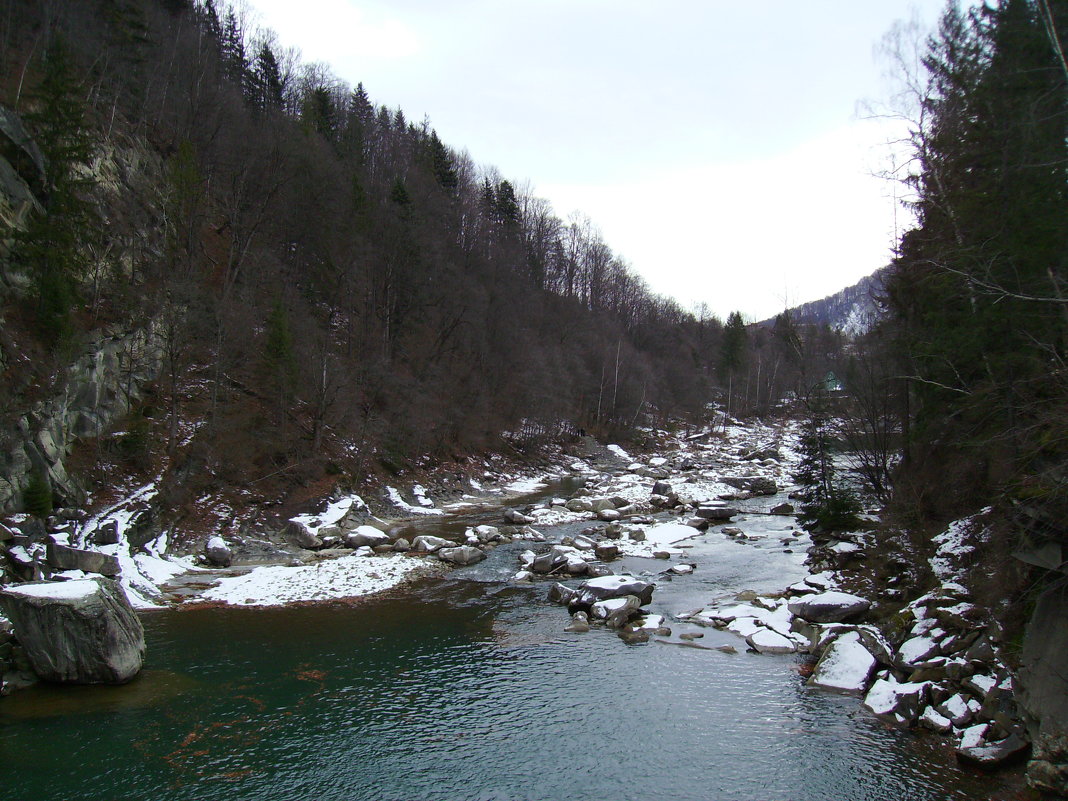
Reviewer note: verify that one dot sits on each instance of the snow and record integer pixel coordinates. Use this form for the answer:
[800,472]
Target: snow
[420,496]
[973,736]
[658,538]
[846,665]
[57,590]
[917,649]
[622,454]
[953,545]
[396,499]
[525,486]
[346,577]
[652,622]
[767,641]
[216,542]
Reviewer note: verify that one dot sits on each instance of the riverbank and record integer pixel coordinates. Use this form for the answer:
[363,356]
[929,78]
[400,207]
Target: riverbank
[664,504]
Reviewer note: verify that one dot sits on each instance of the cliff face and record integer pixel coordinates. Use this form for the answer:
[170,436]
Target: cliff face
[53,401]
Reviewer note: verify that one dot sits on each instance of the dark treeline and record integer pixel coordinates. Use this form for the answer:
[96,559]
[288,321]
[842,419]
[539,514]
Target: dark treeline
[977,295]
[330,282]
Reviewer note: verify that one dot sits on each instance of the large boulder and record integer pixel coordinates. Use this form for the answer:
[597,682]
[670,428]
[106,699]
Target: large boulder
[829,607]
[846,665]
[366,535]
[608,587]
[76,632]
[63,557]
[1044,690]
[217,552]
[303,536]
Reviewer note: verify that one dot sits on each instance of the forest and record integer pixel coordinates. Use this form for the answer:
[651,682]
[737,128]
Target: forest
[334,290]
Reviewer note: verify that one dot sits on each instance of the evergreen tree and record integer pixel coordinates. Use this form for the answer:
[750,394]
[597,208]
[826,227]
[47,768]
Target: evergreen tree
[51,246]
[826,504]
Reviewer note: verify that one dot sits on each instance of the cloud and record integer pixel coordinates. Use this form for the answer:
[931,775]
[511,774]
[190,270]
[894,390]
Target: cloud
[339,33]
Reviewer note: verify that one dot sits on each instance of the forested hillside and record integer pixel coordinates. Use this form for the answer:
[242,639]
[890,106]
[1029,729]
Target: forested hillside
[328,285]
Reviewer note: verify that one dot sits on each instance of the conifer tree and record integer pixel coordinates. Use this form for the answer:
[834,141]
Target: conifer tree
[826,503]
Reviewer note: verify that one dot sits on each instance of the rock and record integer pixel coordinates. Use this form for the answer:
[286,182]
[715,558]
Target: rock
[76,632]
[218,552]
[302,536]
[662,488]
[896,703]
[715,512]
[762,486]
[608,587]
[63,557]
[956,710]
[616,612]
[107,533]
[609,515]
[829,607]
[366,535]
[606,551]
[661,555]
[636,535]
[402,546]
[1044,689]
[463,555]
[560,593]
[766,641]
[580,623]
[989,754]
[425,543]
[846,665]
[488,533]
[517,518]
[783,509]
[584,543]
[930,719]
[598,571]
[682,569]
[579,505]
[691,635]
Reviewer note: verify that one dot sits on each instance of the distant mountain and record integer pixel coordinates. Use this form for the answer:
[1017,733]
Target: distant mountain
[852,310]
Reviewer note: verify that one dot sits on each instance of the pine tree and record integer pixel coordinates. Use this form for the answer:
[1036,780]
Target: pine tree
[826,504]
[51,246]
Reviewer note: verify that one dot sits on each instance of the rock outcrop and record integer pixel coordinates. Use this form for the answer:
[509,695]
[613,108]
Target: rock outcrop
[1044,695]
[76,632]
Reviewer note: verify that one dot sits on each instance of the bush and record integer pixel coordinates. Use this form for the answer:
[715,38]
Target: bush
[37,497]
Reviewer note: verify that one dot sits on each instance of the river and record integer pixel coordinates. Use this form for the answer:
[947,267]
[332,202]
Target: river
[466,687]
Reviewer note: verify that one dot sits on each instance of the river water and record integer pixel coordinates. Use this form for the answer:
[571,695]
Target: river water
[468,688]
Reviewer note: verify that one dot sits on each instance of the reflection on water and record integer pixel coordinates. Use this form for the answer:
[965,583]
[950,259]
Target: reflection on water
[468,689]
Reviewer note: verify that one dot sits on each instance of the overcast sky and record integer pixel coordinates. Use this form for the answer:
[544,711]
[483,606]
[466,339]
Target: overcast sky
[716,144]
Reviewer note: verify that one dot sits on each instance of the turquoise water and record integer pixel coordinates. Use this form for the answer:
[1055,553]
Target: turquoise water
[466,689]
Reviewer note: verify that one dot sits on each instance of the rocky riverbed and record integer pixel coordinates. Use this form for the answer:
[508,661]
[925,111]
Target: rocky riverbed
[934,661]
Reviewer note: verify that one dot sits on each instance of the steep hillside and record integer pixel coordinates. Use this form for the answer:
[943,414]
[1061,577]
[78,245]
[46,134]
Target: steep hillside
[852,311]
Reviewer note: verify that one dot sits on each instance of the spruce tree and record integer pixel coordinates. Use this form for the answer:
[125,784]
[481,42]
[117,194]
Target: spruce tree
[826,503]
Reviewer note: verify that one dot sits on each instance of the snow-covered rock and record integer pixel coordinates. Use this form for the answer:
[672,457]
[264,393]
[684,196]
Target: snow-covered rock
[846,665]
[218,552]
[829,607]
[897,703]
[766,641]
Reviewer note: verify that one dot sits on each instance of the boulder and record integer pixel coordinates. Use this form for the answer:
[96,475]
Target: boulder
[606,551]
[608,587]
[579,505]
[898,704]
[977,747]
[560,593]
[107,533]
[766,641]
[763,486]
[609,515]
[366,535]
[463,555]
[63,557]
[829,607]
[425,543]
[715,512]
[217,552]
[517,518]
[846,665]
[598,571]
[302,536]
[1044,689]
[783,509]
[579,623]
[76,632]
[616,612]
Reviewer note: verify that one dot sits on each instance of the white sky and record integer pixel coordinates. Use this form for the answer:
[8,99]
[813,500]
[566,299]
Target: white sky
[716,144]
